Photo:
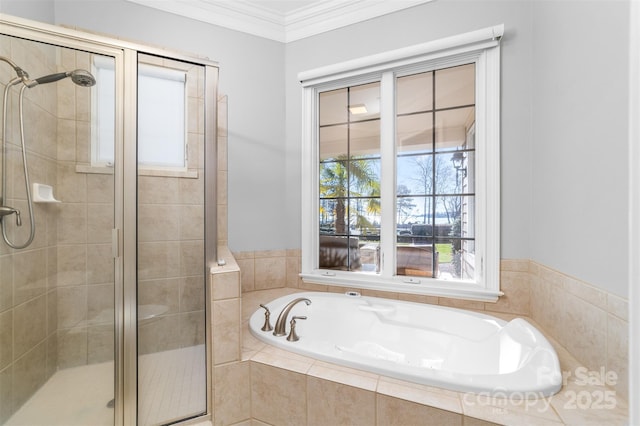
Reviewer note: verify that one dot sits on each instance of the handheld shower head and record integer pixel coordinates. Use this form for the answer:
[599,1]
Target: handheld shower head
[80,77]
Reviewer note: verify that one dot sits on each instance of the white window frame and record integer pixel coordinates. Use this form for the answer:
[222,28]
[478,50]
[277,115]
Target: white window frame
[481,47]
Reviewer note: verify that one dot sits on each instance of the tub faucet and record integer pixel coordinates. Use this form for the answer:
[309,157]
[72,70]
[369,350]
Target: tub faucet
[281,323]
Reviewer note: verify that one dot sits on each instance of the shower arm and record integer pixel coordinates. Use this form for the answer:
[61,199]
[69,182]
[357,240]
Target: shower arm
[22,74]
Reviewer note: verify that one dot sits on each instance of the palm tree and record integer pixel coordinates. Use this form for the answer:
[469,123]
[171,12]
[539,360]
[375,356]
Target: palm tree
[342,180]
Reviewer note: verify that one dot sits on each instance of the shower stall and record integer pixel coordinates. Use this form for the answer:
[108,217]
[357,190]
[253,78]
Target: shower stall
[107,209]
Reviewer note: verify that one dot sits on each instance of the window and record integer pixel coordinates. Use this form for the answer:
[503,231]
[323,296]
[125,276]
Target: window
[401,170]
[162,109]
[161,117]
[435,111]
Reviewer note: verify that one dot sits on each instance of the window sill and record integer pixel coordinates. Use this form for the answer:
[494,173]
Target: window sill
[188,174]
[411,285]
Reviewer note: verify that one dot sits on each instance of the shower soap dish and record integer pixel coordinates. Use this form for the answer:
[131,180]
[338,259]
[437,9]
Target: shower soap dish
[43,194]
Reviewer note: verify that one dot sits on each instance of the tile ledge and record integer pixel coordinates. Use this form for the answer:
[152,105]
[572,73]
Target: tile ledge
[229,265]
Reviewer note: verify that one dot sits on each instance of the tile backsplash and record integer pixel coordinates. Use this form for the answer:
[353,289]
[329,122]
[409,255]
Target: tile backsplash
[592,324]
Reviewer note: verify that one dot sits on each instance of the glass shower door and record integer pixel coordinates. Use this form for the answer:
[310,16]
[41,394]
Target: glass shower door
[171,270]
[57,292]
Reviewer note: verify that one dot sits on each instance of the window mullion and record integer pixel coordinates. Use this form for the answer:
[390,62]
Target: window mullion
[388,175]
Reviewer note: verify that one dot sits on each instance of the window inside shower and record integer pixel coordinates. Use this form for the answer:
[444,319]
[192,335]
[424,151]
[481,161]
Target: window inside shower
[162,115]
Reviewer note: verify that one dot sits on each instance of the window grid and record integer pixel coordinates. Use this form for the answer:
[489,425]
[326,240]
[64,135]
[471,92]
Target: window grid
[349,196]
[435,192]
[481,47]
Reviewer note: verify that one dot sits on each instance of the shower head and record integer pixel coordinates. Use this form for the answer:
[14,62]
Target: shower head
[80,77]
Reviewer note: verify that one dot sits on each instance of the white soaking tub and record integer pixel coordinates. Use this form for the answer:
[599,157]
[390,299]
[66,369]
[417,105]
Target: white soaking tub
[433,345]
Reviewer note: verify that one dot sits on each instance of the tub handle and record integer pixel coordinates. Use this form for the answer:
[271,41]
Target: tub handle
[267,324]
[293,336]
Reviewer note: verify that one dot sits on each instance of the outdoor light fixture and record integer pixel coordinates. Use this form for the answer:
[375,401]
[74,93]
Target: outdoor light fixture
[458,161]
[358,109]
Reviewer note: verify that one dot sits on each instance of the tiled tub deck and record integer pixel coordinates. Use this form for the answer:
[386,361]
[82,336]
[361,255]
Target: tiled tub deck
[287,388]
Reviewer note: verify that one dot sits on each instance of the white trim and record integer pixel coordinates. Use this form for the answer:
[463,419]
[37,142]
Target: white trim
[325,16]
[309,180]
[475,48]
[488,171]
[445,47]
[436,288]
[388,174]
[253,18]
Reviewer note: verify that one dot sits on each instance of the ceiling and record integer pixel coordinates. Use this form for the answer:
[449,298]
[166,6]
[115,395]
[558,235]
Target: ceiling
[281,20]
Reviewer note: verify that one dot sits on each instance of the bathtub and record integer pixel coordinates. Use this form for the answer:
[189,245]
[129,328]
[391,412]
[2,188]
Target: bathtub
[432,345]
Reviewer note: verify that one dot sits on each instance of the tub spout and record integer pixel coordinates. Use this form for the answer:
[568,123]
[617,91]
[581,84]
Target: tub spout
[281,323]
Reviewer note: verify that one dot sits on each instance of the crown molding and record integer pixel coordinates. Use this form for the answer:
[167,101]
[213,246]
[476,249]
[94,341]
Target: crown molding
[330,15]
[306,21]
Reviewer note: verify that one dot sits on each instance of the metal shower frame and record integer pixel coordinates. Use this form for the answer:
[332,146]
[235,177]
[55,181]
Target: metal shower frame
[124,241]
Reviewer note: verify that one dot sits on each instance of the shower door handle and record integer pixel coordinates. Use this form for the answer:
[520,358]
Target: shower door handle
[115,243]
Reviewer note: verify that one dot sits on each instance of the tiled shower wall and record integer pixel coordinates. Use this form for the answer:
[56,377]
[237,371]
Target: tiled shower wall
[28,279]
[591,323]
[224,279]
[85,277]
[229,383]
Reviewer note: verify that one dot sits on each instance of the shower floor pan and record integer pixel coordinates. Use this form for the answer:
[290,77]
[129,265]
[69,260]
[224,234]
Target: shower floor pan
[80,396]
